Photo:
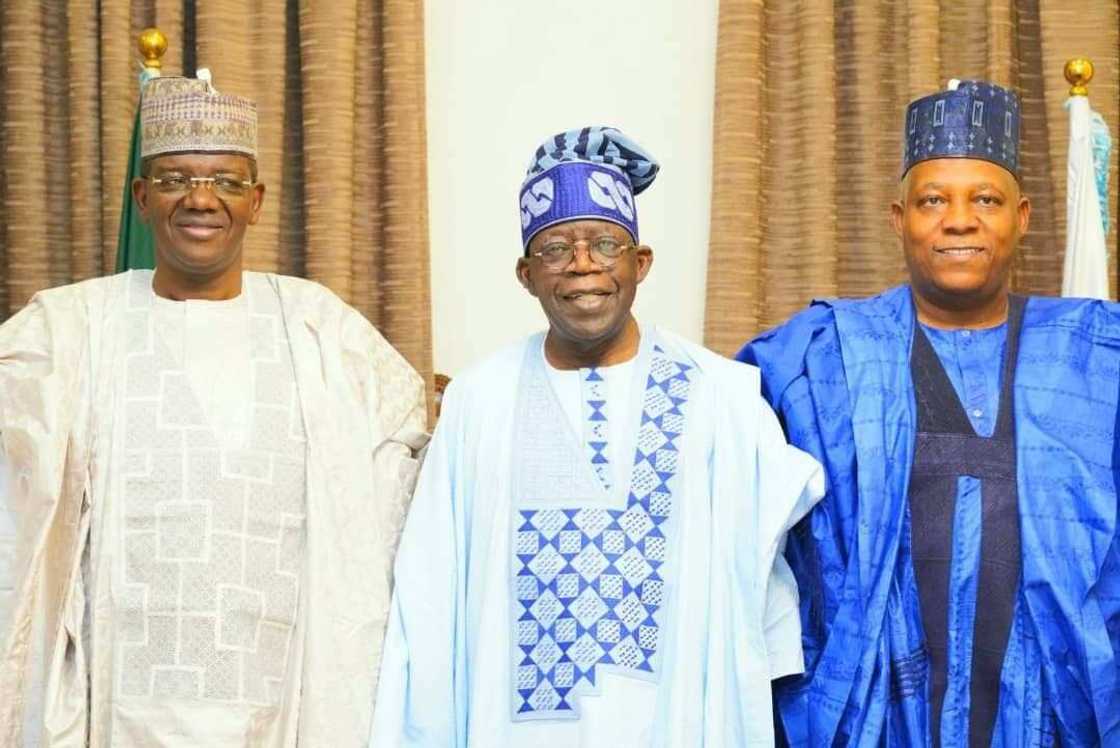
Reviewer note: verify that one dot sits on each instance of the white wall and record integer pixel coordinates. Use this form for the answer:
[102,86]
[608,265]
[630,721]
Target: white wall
[503,75]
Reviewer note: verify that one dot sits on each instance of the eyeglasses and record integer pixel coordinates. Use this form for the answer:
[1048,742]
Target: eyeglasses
[224,185]
[605,252]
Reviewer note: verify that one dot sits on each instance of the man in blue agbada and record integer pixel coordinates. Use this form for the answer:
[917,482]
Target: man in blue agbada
[960,582]
[592,557]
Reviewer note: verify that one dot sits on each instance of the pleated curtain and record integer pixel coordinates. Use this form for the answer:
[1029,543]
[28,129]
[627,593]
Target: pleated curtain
[810,99]
[340,90]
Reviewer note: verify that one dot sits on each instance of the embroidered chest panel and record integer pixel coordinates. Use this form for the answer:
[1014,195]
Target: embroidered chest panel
[589,579]
[213,536]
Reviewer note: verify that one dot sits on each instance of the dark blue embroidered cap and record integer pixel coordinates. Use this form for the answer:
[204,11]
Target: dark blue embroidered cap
[972,119]
[592,172]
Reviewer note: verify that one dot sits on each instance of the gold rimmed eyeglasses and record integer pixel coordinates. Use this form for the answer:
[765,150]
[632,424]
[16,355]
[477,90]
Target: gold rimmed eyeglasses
[223,185]
[604,252]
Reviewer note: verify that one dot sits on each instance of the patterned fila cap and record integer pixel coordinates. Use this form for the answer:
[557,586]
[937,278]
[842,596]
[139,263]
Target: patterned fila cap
[593,172]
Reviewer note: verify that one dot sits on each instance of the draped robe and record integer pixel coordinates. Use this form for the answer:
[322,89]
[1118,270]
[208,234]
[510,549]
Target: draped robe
[534,607]
[839,376]
[65,423]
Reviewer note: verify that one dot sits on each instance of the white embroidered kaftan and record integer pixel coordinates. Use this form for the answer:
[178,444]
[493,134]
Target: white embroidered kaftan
[207,498]
[618,585]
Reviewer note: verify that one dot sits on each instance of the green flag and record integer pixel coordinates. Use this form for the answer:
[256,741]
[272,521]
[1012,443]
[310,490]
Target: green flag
[135,247]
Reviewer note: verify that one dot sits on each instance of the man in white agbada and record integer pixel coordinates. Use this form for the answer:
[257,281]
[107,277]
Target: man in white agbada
[208,470]
[592,557]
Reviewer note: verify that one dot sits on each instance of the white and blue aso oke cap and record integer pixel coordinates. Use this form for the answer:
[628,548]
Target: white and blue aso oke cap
[593,172]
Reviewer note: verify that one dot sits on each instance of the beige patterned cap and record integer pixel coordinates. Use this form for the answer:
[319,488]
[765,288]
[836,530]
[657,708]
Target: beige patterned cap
[187,115]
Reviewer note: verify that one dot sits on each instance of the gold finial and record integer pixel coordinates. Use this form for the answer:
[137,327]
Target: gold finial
[1079,71]
[152,44]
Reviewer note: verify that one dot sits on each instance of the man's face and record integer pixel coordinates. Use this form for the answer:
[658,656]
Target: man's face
[198,232]
[960,220]
[585,302]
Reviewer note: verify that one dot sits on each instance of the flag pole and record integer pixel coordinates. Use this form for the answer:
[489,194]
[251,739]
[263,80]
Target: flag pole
[1085,270]
[135,246]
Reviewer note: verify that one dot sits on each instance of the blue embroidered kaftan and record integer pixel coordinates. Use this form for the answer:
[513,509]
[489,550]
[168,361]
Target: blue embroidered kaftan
[839,375]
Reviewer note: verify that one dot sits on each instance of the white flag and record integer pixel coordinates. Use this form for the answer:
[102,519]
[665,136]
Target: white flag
[1086,265]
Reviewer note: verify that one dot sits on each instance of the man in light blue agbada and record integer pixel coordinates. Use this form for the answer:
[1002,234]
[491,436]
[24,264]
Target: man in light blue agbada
[592,557]
[961,579]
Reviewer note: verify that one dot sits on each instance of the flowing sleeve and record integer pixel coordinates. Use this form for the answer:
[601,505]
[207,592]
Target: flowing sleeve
[396,411]
[7,549]
[42,353]
[804,382]
[780,356]
[790,483]
[761,487]
[421,697]
[392,391]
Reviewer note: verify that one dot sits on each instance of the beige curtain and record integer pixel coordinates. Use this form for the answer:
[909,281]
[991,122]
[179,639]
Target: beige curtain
[810,97]
[340,89]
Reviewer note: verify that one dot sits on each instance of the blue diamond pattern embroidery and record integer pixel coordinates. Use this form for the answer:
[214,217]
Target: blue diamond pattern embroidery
[588,580]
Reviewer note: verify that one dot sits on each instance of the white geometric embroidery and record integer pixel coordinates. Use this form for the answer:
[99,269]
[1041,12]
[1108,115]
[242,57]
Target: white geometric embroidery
[213,536]
[591,522]
[590,563]
[547,609]
[549,522]
[588,608]
[978,114]
[537,200]
[610,193]
[547,564]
